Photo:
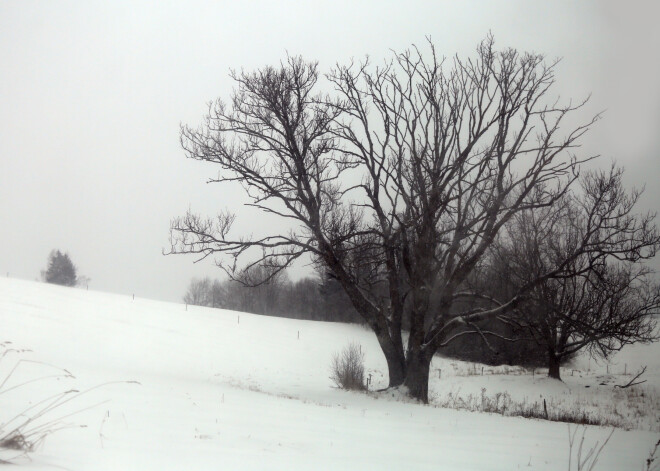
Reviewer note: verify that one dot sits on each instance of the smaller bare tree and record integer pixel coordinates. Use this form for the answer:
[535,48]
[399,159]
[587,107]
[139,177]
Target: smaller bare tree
[592,290]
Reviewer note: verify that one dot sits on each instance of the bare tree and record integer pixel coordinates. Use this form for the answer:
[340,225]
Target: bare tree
[260,287]
[204,292]
[197,293]
[583,258]
[398,183]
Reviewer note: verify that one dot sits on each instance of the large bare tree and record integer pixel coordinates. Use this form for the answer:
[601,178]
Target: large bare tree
[397,180]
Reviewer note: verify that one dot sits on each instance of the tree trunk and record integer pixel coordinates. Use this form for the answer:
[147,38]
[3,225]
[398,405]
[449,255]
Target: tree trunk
[393,350]
[396,362]
[417,376]
[553,365]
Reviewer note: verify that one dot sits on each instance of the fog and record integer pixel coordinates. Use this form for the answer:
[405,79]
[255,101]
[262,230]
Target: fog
[93,93]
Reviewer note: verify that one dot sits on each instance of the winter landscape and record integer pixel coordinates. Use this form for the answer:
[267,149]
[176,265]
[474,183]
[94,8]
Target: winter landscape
[374,235]
[209,389]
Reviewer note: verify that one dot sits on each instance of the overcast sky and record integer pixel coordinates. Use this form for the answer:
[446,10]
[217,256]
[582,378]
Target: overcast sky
[92,95]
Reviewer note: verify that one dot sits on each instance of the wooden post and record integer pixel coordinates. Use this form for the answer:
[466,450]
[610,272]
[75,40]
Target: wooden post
[298,335]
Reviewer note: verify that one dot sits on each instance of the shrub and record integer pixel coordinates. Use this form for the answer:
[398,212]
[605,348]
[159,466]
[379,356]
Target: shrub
[348,368]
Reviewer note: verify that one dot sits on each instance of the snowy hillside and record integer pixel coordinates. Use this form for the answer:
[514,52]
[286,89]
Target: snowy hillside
[201,389]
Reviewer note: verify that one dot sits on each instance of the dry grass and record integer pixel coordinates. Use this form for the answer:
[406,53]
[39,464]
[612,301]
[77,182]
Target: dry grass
[653,461]
[585,460]
[503,404]
[26,422]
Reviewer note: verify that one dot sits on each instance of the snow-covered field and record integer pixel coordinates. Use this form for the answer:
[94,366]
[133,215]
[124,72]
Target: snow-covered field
[209,389]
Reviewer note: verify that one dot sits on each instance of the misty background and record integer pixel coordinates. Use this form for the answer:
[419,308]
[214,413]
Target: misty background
[92,95]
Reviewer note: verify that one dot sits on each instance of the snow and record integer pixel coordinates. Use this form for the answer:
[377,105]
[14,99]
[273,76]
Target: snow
[197,388]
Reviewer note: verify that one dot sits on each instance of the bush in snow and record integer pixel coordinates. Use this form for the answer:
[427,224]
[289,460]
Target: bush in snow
[348,368]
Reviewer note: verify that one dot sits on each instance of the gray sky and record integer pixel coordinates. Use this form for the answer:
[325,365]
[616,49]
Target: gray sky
[92,94]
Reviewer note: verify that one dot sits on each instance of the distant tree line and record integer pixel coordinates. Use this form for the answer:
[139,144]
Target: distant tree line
[317,298]
[536,336]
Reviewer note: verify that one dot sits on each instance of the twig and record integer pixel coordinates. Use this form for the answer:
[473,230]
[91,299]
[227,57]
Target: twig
[592,454]
[631,382]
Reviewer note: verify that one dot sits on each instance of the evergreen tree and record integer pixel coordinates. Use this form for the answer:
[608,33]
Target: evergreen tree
[60,271]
